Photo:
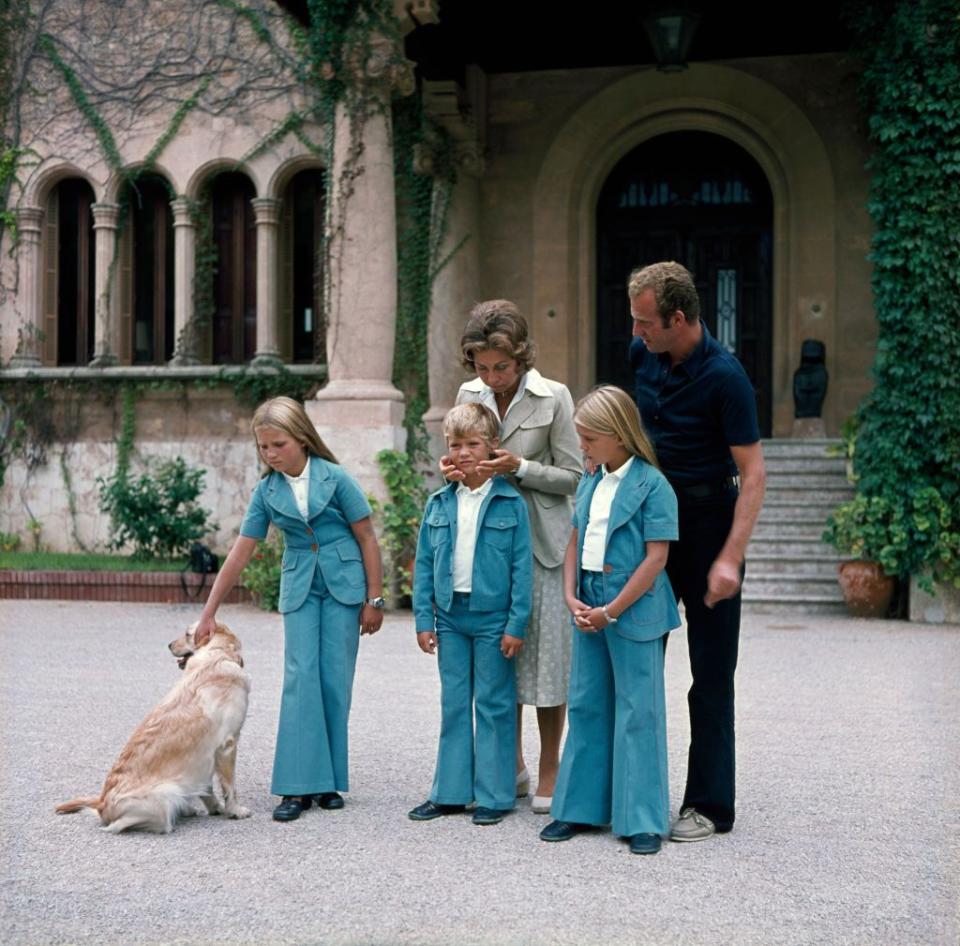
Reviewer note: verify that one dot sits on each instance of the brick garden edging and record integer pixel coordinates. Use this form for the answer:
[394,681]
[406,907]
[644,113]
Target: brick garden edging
[159,587]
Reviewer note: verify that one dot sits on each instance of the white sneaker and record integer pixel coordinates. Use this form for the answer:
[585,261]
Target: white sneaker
[692,826]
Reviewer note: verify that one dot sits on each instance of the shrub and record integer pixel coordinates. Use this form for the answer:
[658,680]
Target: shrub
[261,577]
[156,512]
[9,542]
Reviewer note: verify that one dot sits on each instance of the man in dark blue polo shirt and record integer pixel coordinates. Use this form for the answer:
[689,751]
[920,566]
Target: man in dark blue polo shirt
[699,407]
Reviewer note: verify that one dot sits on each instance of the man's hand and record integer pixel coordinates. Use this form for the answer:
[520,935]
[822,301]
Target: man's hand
[723,581]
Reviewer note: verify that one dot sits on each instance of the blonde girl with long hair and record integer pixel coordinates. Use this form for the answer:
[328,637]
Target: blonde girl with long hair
[331,592]
[614,763]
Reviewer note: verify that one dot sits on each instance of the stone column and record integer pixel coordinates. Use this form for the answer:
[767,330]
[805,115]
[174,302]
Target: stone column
[359,411]
[267,214]
[184,268]
[30,293]
[455,290]
[105,220]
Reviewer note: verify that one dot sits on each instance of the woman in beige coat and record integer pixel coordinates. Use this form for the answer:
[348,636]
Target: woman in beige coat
[539,453]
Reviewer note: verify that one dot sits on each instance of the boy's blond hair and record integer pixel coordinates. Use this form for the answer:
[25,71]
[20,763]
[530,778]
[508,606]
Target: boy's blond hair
[610,410]
[471,418]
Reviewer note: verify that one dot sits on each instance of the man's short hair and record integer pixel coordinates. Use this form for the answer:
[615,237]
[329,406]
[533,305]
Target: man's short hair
[672,286]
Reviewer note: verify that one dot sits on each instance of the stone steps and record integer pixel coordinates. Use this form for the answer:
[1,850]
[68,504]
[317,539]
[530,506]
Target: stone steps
[789,568]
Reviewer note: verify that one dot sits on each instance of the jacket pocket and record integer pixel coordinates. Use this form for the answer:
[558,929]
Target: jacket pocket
[499,530]
[439,530]
[290,561]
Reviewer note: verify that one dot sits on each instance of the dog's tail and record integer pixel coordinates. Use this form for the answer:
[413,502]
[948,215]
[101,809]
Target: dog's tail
[71,807]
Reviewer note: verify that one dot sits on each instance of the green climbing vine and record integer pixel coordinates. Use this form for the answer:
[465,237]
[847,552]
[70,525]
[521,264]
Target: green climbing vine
[907,456]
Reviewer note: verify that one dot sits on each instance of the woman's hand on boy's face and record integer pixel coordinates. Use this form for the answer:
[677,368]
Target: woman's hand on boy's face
[449,471]
[427,641]
[510,646]
[503,461]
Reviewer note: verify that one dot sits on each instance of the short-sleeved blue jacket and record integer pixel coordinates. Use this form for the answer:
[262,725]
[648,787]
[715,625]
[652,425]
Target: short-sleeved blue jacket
[324,540]
[644,509]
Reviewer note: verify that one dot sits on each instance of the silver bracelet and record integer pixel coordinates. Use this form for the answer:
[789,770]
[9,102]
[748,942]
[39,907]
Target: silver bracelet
[606,614]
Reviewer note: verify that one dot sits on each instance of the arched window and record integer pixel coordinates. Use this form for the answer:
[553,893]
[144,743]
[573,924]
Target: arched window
[68,275]
[145,273]
[301,276]
[233,333]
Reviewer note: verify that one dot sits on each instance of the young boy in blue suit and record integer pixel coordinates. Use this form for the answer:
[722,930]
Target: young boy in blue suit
[472,590]
[614,764]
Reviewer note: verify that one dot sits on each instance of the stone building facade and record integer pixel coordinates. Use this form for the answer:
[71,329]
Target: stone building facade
[560,171]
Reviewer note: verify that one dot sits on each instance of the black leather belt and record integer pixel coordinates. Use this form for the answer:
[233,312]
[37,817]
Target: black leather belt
[706,490]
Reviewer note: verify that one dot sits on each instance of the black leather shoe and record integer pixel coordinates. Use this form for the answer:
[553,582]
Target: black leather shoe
[487,816]
[290,808]
[559,831]
[645,844]
[329,801]
[430,810]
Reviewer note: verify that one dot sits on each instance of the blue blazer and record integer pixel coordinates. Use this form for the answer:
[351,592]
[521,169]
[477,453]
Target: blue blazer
[644,509]
[502,560]
[324,540]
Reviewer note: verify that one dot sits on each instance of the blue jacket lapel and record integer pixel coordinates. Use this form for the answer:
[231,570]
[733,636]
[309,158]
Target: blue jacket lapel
[631,493]
[322,487]
[280,496]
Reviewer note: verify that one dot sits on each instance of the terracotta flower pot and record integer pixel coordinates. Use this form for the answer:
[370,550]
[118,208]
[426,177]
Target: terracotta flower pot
[867,590]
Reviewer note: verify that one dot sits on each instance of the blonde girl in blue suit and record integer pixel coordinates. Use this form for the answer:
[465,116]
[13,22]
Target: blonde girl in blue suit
[331,589]
[614,763]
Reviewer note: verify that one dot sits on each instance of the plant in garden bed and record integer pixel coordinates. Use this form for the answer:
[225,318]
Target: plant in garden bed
[84,561]
[261,577]
[400,517]
[156,512]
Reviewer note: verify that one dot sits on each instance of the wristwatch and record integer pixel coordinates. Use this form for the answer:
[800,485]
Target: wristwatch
[377,602]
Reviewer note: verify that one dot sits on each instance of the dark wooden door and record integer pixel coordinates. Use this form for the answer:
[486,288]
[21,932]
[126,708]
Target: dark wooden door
[703,201]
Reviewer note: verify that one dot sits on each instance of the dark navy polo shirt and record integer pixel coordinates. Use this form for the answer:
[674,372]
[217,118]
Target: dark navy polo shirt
[695,411]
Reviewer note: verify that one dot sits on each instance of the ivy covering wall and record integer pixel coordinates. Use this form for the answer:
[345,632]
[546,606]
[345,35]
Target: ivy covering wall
[908,451]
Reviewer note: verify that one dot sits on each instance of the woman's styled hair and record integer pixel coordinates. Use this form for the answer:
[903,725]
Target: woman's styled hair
[471,418]
[288,415]
[497,324]
[610,410]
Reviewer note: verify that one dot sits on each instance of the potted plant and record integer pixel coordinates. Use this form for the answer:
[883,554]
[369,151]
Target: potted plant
[861,529]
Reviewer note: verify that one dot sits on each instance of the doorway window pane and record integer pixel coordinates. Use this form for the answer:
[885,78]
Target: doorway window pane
[727,309]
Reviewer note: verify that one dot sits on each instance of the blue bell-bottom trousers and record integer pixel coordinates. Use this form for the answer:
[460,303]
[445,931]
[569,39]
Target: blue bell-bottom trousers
[321,638]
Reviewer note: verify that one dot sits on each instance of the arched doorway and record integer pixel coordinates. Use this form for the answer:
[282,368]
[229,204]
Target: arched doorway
[702,200]
[68,274]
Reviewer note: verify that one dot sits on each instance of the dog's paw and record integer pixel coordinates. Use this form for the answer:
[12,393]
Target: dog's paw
[239,812]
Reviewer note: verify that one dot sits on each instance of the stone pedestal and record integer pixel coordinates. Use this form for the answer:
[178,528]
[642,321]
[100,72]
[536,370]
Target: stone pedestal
[808,428]
[941,608]
[105,220]
[29,224]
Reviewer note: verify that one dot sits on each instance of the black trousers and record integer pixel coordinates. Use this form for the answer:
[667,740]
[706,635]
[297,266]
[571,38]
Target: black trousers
[713,637]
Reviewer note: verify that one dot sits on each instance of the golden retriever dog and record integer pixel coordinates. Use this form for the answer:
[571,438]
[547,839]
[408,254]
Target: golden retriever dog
[168,764]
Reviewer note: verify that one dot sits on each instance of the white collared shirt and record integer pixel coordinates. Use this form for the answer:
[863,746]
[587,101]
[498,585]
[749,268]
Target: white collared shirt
[489,399]
[300,485]
[595,536]
[469,502]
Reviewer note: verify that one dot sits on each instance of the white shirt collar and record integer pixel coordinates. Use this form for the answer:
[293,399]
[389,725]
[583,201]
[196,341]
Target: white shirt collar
[303,475]
[620,472]
[464,490]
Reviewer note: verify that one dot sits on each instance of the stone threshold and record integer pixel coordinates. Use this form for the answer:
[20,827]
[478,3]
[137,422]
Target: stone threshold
[153,587]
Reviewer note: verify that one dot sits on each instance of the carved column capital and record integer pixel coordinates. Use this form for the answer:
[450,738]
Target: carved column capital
[105,216]
[181,208]
[266,210]
[30,223]
[377,64]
